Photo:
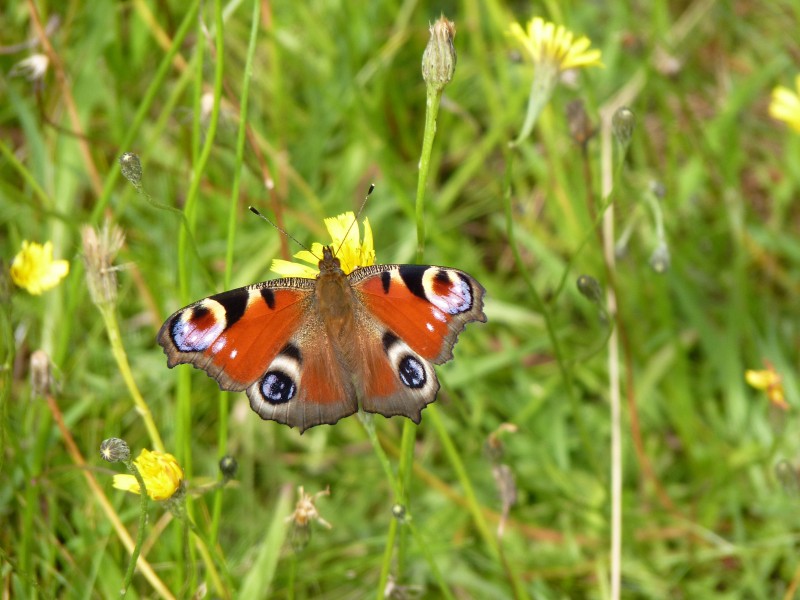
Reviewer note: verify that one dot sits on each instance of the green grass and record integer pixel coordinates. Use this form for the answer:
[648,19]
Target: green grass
[335,101]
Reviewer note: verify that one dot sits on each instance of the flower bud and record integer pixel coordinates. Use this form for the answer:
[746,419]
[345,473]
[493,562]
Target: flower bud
[589,288]
[115,450]
[399,512]
[131,168]
[622,125]
[228,466]
[660,258]
[439,58]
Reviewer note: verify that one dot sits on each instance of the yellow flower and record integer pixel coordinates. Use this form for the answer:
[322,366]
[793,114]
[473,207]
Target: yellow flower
[35,270]
[547,43]
[161,473]
[351,252]
[785,105]
[770,381]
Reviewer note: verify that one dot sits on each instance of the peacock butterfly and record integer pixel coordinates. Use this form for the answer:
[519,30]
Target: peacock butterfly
[308,351]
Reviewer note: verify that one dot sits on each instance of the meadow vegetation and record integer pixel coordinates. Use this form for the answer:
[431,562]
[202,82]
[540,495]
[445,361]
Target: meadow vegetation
[637,236]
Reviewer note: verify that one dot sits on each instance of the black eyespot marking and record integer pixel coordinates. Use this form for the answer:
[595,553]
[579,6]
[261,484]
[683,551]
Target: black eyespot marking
[198,312]
[269,297]
[277,387]
[411,372]
[292,351]
[386,281]
[389,339]
[234,303]
[442,277]
[412,277]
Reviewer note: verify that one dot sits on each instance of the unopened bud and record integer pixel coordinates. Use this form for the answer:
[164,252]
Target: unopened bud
[399,512]
[228,466]
[131,168]
[622,124]
[115,450]
[657,189]
[660,258]
[439,58]
[589,288]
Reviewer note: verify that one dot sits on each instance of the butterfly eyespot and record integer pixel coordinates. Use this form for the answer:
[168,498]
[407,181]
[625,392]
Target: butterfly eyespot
[412,372]
[277,387]
[198,328]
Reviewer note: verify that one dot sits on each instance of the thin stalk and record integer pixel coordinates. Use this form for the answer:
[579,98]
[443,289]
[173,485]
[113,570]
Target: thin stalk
[120,356]
[222,430]
[126,582]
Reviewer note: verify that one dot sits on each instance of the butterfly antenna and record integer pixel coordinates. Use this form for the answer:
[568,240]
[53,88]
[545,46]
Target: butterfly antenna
[358,214]
[283,231]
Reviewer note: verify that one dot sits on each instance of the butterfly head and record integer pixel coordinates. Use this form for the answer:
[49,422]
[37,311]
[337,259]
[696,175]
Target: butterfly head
[329,263]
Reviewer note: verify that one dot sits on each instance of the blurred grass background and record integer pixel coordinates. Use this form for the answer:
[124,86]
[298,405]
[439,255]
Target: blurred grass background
[336,101]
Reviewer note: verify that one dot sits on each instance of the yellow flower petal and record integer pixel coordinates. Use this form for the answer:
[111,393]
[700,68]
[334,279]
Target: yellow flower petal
[768,380]
[785,105]
[160,471]
[346,247]
[547,43]
[34,269]
[289,269]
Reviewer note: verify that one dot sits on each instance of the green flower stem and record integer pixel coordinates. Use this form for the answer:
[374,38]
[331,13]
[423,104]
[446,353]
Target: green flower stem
[115,339]
[139,534]
[424,546]
[433,99]
[386,565]
[544,82]
[369,427]
[184,412]
[222,431]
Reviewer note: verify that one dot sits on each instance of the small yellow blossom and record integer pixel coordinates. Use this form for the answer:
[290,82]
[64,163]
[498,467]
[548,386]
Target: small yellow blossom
[552,49]
[161,473]
[305,510]
[547,42]
[785,105]
[35,270]
[351,252]
[770,381]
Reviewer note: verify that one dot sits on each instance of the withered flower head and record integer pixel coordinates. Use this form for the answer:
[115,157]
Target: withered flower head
[100,248]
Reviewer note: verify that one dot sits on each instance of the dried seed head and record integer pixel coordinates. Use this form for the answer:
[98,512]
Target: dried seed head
[439,58]
[41,373]
[100,247]
[580,127]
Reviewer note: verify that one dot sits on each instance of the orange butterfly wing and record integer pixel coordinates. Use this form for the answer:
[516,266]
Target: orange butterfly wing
[411,320]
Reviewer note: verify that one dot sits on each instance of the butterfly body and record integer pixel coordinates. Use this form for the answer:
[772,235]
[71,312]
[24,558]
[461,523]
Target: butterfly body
[308,351]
